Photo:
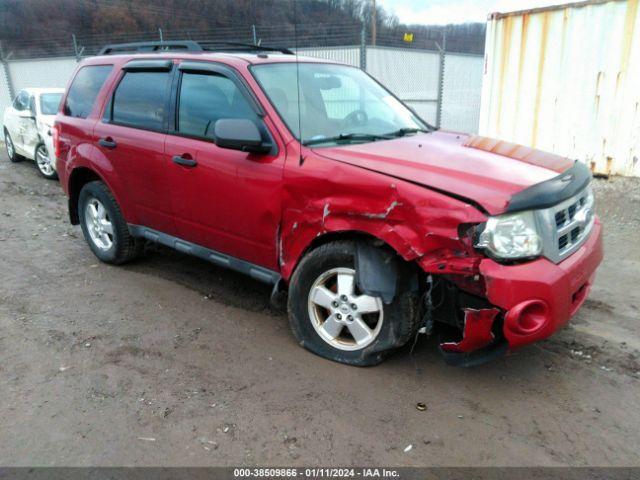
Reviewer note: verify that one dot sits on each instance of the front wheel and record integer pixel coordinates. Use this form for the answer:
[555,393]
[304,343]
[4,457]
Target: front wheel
[104,226]
[331,317]
[44,163]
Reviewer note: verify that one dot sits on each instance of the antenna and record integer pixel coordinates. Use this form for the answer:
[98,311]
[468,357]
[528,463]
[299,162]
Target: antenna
[295,35]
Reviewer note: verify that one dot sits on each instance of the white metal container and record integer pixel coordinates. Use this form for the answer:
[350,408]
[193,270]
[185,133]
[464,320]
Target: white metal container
[567,79]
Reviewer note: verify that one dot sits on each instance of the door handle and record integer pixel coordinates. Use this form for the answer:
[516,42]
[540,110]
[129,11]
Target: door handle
[107,143]
[185,160]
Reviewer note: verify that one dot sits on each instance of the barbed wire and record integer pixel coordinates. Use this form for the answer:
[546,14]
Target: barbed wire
[281,35]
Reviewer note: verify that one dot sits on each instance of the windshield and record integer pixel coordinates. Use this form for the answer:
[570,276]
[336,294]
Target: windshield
[49,103]
[338,104]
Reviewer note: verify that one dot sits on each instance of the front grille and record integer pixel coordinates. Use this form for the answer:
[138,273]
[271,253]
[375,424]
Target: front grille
[566,226]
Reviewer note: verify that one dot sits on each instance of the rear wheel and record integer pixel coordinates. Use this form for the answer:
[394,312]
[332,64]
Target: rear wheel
[104,226]
[43,161]
[331,317]
[11,148]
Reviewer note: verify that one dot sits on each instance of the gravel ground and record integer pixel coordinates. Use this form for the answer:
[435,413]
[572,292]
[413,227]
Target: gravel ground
[171,361]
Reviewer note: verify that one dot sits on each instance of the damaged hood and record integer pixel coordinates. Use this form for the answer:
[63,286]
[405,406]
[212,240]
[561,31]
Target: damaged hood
[488,172]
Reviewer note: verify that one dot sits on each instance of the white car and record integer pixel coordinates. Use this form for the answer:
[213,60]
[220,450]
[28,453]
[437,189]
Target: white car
[27,127]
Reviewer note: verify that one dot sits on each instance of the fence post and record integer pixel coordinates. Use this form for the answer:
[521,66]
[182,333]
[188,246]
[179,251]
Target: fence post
[363,48]
[77,50]
[255,34]
[5,71]
[443,55]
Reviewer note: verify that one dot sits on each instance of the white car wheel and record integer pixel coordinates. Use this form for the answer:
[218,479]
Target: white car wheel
[44,162]
[11,149]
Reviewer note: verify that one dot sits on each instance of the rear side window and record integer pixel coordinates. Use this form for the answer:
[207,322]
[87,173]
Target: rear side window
[140,100]
[49,103]
[84,90]
[205,99]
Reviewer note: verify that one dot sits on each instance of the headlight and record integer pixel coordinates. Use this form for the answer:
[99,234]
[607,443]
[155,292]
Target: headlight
[512,236]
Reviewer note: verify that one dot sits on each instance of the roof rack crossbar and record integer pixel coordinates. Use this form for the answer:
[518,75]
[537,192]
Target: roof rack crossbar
[151,47]
[260,48]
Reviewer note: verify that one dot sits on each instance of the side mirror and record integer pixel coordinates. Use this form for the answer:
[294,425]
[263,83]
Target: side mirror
[239,134]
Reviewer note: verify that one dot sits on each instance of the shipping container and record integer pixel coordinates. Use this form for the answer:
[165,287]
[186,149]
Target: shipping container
[567,79]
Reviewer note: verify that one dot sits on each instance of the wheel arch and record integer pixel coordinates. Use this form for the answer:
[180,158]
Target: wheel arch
[362,238]
[79,177]
[38,143]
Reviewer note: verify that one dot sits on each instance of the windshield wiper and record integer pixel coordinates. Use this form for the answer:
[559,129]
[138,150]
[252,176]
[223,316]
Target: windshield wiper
[403,132]
[365,137]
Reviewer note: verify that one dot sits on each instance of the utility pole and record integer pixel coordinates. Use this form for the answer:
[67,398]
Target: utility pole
[4,70]
[374,24]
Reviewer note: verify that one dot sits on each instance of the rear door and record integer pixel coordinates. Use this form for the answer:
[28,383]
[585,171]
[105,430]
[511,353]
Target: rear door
[131,136]
[225,200]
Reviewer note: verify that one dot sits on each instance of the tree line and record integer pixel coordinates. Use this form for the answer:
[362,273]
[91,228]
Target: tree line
[47,26]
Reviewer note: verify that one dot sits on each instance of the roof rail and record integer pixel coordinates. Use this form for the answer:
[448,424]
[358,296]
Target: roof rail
[260,48]
[151,47]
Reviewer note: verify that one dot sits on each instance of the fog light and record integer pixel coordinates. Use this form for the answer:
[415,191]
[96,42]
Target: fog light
[527,318]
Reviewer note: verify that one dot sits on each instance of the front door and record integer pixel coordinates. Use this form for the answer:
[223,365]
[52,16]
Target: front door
[17,117]
[225,200]
[29,137]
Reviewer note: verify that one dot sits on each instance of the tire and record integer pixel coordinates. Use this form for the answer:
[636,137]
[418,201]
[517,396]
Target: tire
[104,227]
[11,149]
[398,319]
[44,163]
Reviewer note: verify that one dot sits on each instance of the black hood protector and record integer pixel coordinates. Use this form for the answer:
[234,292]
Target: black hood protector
[553,191]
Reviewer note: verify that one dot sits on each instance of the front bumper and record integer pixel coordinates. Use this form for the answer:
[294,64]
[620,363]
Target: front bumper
[539,297]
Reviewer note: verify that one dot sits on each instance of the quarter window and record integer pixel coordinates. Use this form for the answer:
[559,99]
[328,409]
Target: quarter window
[84,90]
[141,100]
[205,99]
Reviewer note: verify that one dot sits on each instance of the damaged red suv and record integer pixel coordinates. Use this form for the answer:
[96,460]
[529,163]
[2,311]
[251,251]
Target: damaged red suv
[309,175]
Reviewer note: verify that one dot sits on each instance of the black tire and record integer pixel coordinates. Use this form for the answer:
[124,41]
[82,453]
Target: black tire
[11,152]
[399,323]
[124,247]
[52,175]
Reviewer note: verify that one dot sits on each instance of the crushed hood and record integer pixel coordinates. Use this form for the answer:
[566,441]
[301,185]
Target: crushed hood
[488,172]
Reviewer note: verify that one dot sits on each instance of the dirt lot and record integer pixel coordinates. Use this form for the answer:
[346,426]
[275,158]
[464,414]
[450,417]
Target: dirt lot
[171,361]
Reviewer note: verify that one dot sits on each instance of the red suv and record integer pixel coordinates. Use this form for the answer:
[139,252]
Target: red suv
[311,176]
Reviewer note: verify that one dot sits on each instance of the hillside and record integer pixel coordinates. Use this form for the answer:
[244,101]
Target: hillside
[45,27]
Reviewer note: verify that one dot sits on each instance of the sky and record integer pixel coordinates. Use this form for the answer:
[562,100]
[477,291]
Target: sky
[457,11]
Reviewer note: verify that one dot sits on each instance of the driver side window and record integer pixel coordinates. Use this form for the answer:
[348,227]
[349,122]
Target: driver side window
[22,101]
[206,98]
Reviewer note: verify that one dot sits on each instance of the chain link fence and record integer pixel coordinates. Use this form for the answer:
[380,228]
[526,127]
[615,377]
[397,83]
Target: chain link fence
[443,87]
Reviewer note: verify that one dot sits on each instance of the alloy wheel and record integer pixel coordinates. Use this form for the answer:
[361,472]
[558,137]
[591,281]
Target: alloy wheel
[10,148]
[341,316]
[43,161]
[99,224]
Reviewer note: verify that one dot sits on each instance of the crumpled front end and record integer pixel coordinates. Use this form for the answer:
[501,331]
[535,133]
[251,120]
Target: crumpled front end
[526,302]
[539,297]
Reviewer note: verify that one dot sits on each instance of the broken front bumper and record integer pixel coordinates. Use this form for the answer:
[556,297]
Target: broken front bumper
[539,297]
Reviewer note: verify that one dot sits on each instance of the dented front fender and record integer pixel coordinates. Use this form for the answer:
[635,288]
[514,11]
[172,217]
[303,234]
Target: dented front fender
[322,196]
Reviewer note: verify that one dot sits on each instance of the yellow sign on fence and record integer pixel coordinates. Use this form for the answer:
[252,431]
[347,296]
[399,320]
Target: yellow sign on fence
[408,37]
